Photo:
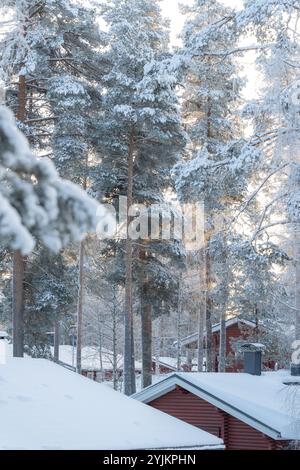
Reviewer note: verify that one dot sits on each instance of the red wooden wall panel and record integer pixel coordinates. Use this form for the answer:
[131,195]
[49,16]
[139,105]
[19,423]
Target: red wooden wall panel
[236,434]
[191,409]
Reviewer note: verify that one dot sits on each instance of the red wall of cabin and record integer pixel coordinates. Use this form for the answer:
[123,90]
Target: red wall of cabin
[193,410]
[232,332]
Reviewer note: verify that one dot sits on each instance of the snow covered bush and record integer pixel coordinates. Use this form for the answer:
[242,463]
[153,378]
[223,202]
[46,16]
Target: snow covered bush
[35,203]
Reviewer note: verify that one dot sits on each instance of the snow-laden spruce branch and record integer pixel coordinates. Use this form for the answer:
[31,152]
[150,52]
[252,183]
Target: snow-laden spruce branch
[36,204]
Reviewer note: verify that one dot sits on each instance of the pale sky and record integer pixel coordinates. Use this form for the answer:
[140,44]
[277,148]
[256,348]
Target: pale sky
[171,10]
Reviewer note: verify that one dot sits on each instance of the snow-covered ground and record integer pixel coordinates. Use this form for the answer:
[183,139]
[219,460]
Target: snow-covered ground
[45,406]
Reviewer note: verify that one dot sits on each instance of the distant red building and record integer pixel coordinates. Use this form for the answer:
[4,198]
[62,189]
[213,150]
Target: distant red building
[236,329]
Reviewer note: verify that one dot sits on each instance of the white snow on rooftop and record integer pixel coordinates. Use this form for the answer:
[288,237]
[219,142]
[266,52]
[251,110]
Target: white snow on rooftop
[264,398]
[44,406]
[91,358]
[167,361]
[172,361]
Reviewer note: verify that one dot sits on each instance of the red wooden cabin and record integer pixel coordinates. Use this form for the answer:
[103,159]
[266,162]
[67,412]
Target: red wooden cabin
[236,329]
[247,412]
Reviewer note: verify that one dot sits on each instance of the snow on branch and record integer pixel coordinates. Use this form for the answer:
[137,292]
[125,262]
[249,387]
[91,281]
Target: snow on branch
[255,193]
[237,50]
[35,203]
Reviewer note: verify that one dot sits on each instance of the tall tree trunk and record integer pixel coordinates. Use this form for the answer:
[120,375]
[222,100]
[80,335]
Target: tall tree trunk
[158,345]
[297,279]
[200,356]
[101,355]
[80,298]
[146,324]
[222,350]
[129,362]
[202,309]
[256,317]
[56,340]
[179,315]
[208,313]
[80,309]
[209,303]
[189,358]
[114,344]
[133,359]
[146,344]
[19,262]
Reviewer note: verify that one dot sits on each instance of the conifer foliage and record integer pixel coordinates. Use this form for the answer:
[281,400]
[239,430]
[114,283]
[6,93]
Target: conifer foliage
[99,107]
[36,204]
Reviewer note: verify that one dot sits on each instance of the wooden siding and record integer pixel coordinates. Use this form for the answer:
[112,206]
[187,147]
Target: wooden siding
[236,434]
[242,436]
[235,331]
[191,409]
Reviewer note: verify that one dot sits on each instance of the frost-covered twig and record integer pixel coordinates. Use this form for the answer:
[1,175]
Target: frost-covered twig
[254,194]
[258,230]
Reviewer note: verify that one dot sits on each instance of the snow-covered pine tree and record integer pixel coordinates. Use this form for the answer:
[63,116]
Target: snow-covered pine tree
[217,163]
[276,118]
[54,47]
[35,203]
[142,139]
[54,50]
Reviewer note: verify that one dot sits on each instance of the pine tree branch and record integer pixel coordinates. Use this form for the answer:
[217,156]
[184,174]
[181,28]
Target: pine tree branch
[273,224]
[236,50]
[30,121]
[254,194]
[259,229]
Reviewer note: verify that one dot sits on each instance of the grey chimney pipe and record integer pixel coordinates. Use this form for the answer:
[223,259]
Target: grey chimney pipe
[252,363]
[252,358]
[295,370]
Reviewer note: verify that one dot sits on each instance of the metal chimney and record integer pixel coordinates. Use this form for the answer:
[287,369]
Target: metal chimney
[295,370]
[253,358]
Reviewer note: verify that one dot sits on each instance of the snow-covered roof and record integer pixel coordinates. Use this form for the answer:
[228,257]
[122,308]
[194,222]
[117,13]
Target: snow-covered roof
[171,362]
[45,406]
[264,402]
[91,358]
[216,327]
